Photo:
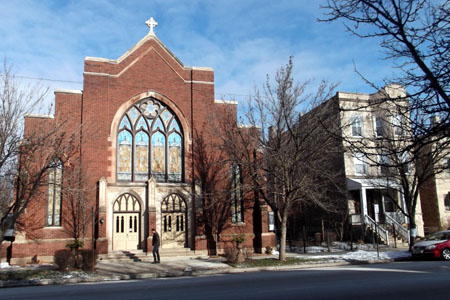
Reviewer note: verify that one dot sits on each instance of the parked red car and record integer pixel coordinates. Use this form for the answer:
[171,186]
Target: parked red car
[436,245]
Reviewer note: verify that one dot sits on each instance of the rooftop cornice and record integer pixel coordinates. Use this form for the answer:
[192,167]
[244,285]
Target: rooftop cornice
[63,91]
[39,116]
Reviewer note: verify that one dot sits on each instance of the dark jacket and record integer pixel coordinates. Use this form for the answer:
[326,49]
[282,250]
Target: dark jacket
[155,239]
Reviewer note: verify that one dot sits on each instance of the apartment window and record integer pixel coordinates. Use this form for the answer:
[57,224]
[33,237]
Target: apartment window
[383,164]
[447,201]
[54,193]
[356,125]
[236,194]
[378,125]
[447,166]
[397,122]
[360,162]
[404,160]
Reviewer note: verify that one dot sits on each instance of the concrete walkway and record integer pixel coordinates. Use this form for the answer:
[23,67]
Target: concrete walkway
[173,267]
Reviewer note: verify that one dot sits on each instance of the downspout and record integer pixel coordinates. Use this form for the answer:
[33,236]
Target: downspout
[194,209]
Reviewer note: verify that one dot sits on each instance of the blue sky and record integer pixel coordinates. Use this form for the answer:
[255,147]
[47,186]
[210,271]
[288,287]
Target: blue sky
[242,40]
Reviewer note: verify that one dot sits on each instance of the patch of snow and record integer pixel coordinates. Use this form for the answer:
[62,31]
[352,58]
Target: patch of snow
[362,255]
[334,247]
[76,274]
[4,265]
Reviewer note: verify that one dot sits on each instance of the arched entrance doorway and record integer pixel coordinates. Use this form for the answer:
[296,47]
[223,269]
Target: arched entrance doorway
[173,222]
[126,222]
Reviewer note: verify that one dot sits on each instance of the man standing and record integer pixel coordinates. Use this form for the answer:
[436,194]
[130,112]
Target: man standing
[156,242]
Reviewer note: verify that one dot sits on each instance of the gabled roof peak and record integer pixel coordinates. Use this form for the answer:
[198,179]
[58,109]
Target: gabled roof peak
[151,23]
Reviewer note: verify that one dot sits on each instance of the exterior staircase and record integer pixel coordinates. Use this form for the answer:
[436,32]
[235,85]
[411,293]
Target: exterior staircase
[396,239]
[392,233]
[140,255]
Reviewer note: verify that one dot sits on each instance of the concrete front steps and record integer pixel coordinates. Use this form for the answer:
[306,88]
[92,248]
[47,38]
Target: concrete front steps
[139,255]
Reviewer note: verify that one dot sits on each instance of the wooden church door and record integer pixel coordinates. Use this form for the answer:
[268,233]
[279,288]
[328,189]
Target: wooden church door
[126,221]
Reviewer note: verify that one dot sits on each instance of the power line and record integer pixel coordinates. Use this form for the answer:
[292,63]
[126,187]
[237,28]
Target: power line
[43,79]
[80,82]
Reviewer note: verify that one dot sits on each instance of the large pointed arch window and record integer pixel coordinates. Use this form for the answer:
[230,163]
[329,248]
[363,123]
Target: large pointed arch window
[149,143]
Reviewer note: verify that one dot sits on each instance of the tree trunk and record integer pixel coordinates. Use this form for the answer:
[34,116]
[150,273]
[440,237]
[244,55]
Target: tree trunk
[412,227]
[283,236]
[2,236]
[217,242]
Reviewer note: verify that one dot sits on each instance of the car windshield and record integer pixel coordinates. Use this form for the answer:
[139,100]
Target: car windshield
[437,236]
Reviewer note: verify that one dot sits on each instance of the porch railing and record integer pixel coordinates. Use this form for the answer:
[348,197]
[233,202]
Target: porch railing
[380,231]
[399,229]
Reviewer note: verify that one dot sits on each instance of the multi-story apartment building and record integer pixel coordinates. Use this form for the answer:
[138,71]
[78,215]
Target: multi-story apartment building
[372,133]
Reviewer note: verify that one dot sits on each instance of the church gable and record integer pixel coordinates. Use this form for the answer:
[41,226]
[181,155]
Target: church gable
[148,51]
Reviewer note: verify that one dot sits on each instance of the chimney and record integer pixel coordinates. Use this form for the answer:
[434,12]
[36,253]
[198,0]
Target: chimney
[271,132]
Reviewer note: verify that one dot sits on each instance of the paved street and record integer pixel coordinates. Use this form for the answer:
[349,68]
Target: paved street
[403,280]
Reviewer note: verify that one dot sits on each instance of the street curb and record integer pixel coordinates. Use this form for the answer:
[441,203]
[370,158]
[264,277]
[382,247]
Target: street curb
[187,272]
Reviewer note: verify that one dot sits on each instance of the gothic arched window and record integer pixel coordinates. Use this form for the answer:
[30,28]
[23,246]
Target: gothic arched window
[149,142]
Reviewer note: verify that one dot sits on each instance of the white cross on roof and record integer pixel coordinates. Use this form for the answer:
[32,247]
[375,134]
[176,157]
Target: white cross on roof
[151,23]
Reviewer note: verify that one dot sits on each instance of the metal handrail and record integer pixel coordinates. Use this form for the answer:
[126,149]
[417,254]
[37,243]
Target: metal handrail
[380,231]
[398,227]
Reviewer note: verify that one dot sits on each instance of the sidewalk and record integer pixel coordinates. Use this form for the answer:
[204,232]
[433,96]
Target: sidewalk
[173,267]
[177,267]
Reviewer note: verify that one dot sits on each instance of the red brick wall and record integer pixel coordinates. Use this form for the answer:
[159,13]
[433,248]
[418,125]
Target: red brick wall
[429,204]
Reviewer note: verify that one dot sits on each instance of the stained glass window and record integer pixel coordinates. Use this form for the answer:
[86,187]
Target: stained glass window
[124,162]
[54,194]
[149,143]
[141,156]
[158,155]
[174,157]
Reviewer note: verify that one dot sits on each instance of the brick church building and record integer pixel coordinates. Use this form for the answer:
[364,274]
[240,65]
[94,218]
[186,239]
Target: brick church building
[138,116]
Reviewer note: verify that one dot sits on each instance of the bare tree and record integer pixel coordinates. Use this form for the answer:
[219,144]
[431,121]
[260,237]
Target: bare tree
[76,215]
[213,175]
[284,153]
[26,157]
[415,36]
